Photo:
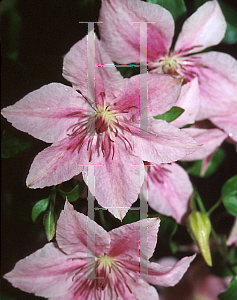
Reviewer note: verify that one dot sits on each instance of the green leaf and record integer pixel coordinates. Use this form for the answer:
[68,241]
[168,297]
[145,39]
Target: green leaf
[12,146]
[176,7]
[131,216]
[75,193]
[231,293]
[231,20]
[39,207]
[229,187]
[49,224]
[171,115]
[229,195]
[230,203]
[128,70]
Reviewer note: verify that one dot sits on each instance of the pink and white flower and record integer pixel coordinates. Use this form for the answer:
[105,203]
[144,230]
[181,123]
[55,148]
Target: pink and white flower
[104,132]
[216,72]
[89,263]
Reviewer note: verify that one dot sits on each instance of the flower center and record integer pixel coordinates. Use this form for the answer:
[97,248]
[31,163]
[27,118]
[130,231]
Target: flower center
[104,118]
[174,64]
[103,278]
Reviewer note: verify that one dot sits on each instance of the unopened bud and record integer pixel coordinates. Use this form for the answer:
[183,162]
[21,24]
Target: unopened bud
[199,227]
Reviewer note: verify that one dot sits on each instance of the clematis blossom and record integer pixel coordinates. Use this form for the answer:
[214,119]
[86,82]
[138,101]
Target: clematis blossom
[216,72]
[167,187]
[104,132]
[89,263]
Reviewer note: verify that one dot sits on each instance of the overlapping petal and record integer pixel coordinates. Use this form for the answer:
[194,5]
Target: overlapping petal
[227,123]
[168,190]
[44,273]
[104,78]
[205,28]
[46,112]
[57,163]
[168,276]
[162,143]
[125,240]
[217,73]
[210,139]
[120,30]
[76,234]
[117,182]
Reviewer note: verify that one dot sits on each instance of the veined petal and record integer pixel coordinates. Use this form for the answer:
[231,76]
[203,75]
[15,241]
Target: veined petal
[210,139]
[189,100]
[163,143]
[125,240]
[44,273]
[116,181]
[205,28]
[57,163]
[228,123]
[106,77]
[76,234]
[161,92]
[120,30]
[217,76]
[139,290]
[169,190]
[46,112]
[168,276]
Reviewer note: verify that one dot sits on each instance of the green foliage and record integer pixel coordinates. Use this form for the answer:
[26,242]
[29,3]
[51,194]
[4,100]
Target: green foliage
[39,207]
[229,195]
[231,293]
[75,193]
[176,7]
[49,224]
[128,70]
[171,115]
[131,216]
[13,146]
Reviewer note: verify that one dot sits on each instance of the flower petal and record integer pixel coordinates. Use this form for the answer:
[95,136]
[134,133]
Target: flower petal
[189,100]
[168,276]
[121,35]
[228,123]
[57,163]
[163,143]
[205,28]
[76,233]
[116,181]
[161,93]
[44,273]
[169,190]
[106,77]
[210,139]
[217,75]
[47,112]
[125,240]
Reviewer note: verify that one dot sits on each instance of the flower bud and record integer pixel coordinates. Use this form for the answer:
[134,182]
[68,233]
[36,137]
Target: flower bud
[199,227]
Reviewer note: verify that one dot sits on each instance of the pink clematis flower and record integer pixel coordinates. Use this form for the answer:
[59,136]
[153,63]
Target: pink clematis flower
[216,72]
[168,190]
[89,263]
[167,187]
[105,132]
